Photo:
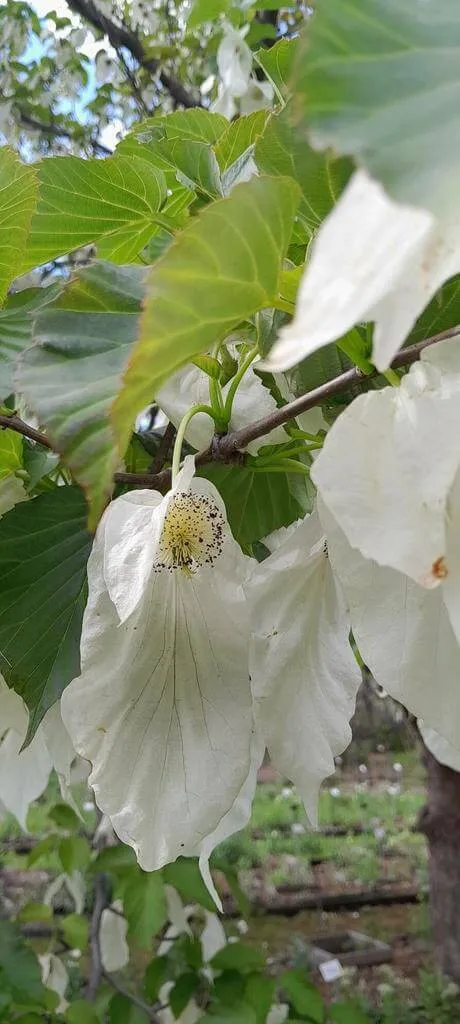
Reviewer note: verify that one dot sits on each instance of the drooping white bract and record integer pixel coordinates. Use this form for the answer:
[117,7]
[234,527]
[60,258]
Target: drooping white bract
[303,672]
[373,259]
[24,773]
[402,631]
[439,747]
[190,386]
[55,977]
[389,462]
[112,938]
[162,708]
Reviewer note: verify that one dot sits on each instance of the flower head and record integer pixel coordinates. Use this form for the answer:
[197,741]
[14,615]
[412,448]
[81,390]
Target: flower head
[162,708]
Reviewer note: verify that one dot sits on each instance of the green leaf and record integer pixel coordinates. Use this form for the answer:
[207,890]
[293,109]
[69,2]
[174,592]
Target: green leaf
[155,976]
[381,81]
[196,125]
[260,993]
[115,858]
[81,1012]
[44,547]
[123,1011]
[442,313]
[238,957]
[19,968]
[257,503]
[10,452]
[18,199]
[144,906]
[278,61]
[35,912]
[222,268]
[74,853]
[185,876]
[347,1013]
[194,163]
[182,992]
[64,817]
[113,202]
[240,135]
[229,987]
[281,150]
[205,10]
[73,373]
[75,929]
[16,329]
[303,996]
[43,849]
[240,1013]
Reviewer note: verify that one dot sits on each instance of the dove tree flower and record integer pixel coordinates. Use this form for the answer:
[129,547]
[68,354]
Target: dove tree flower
[373,260]
[162,708]
[304,675]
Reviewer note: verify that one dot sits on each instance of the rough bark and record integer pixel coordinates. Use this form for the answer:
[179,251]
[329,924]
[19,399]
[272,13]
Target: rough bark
[440,822]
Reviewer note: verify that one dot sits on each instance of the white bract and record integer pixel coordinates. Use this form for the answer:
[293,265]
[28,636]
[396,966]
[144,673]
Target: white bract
[190,386]
[112,938]
[24,773]
[372,260]
[439,747]
[303,671]
[54,977]
[162,708]
[388,465]
[403,633]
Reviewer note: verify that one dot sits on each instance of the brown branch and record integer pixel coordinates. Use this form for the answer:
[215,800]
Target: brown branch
[164,449]
[149,1012]
[101,901]
[119,35]
[227,447]
[15,423]
[60,133]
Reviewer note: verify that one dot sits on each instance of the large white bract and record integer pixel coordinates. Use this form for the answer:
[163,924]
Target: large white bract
[403,633]
[304,675]
[162,708]
[388,466]
[373,260]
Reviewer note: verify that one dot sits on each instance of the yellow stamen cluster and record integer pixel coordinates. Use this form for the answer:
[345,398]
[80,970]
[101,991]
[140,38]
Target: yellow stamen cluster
[193,533]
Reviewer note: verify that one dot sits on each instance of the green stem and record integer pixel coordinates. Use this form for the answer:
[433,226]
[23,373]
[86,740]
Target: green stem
[392,377]
[236,381]
[181,434]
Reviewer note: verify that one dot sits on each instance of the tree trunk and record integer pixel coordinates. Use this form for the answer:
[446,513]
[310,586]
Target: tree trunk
[440,822]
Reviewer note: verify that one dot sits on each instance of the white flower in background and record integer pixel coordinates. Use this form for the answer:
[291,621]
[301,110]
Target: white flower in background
[112,937]
[162,708]
[402,631]
[178,916]
[444,752]
[303,671]
[190,386]
[278,1013]
[238,90]
[74,884]
[55,977]
[387,468]
[257,96]
[372,259]
[24,773]
[213,937]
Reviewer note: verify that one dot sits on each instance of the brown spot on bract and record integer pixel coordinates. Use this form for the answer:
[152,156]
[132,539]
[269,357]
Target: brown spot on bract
[439,568]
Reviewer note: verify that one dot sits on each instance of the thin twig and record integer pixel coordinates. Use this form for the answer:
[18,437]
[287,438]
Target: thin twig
[148,1010]
[58,132]
[164,449]
[226,448]
[121,35]
[101,901]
